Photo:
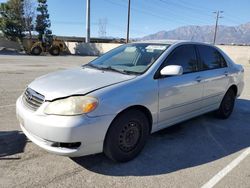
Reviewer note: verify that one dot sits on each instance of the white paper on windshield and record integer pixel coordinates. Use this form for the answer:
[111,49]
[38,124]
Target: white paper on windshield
[130,49]
[156,47]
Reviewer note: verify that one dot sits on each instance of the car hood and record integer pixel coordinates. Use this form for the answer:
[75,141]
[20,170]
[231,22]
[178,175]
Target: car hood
[75,81]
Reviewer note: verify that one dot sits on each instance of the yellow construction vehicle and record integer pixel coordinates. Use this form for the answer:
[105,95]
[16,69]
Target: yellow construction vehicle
[47,45]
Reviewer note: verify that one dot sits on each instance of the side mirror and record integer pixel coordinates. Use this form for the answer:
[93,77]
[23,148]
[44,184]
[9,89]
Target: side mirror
[172,70]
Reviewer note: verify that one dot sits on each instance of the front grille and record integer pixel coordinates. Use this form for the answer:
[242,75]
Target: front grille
[32,99]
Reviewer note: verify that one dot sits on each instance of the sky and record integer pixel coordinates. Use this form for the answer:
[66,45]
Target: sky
[147,16]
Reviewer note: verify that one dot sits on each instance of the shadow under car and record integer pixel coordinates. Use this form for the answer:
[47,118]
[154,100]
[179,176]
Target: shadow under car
[194,142]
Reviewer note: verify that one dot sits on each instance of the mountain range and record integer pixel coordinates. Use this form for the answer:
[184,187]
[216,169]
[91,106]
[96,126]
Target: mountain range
[226,34]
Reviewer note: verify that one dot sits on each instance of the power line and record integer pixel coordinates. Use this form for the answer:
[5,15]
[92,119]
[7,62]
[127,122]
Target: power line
[230,20]
[67,22]
[146,12]
[166,19]
[166,16]
[187,8]
[194,6]
[184,16]
[233,19]
[189,5]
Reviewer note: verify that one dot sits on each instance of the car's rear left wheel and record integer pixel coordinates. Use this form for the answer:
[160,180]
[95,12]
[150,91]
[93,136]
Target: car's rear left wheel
[126,136]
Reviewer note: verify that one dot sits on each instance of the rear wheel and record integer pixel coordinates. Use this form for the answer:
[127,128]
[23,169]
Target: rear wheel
[126,136]
[37,50]
[54,50]
[227,105]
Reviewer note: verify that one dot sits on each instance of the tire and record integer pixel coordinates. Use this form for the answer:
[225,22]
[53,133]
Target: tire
[37,50]
[227,105]
[54,50]
[126,136]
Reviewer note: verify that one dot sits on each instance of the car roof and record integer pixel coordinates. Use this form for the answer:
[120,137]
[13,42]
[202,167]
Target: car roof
[171,42]
[160,41]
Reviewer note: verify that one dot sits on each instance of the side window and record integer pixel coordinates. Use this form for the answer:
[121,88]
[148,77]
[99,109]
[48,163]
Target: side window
[211,58]
[184,56]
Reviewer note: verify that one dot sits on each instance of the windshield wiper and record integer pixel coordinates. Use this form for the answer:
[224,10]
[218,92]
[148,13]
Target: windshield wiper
[92,66]
[110,68]
[131,72]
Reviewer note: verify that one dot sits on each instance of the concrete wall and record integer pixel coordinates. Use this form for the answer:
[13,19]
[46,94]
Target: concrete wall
[90,49]
[239,54]
[9,44]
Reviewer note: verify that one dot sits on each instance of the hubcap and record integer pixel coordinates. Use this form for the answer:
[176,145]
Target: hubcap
[129,136]
[36,50]
[55,51]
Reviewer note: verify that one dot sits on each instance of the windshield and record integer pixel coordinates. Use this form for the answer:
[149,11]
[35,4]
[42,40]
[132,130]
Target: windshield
[130,58]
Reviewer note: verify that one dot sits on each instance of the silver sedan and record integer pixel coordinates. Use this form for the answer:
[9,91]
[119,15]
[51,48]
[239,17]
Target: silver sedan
[113,103]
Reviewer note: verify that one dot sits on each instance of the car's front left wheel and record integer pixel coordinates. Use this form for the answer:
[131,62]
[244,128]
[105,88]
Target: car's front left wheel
[126,136]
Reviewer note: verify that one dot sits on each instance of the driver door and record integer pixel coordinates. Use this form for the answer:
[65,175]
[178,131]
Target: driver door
[180,97]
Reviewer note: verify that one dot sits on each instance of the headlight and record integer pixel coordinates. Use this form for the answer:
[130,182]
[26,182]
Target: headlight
[72,106]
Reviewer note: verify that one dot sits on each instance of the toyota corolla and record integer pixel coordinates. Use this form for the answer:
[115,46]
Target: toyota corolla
[113,103]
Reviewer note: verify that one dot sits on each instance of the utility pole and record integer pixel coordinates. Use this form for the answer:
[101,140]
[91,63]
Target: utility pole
[216,24]
[127,40]
[87,39]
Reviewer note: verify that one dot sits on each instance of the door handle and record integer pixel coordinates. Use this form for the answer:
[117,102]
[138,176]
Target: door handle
[226,73]
[198,78]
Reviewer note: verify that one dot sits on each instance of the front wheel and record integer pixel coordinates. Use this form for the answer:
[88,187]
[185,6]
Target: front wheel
[227,105]
[126,136]
[54,50]
[37,50]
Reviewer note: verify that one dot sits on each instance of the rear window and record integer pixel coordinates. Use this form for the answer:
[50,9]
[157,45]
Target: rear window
[211,58]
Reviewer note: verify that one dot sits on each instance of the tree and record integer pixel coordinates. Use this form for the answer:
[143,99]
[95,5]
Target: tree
[42,20]
[29,16]
[12,22]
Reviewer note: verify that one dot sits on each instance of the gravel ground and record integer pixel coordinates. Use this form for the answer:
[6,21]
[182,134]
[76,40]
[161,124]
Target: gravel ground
[186,155]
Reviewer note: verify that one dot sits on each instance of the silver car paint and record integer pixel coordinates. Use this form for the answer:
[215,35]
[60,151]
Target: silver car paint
[42,129]
[143,91]
[75,81]
[169,100]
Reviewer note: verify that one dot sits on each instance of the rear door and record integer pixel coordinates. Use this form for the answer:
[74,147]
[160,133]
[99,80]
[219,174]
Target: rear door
[180,96]
[214,75]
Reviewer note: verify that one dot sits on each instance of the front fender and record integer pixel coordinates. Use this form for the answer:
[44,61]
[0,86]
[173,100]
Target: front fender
[116,98]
